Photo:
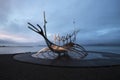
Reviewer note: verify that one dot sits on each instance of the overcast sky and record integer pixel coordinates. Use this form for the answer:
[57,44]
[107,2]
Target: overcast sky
[98,20]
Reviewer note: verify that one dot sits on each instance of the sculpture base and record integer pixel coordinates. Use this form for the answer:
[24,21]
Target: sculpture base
[93,59]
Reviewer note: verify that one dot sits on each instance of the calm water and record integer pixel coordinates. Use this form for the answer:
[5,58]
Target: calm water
[13,50]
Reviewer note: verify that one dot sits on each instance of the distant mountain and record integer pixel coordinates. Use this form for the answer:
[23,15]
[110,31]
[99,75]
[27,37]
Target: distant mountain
[105,44]
[2,41]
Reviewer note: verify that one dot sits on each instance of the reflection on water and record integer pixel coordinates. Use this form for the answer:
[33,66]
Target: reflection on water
[12,50]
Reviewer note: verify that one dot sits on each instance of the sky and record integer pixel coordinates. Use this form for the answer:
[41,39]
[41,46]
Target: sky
[98,20]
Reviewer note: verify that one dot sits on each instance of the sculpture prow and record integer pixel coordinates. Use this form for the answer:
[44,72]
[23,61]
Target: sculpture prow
[53,47]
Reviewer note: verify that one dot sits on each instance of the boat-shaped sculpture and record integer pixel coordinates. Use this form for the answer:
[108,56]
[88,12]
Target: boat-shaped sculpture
[68,50]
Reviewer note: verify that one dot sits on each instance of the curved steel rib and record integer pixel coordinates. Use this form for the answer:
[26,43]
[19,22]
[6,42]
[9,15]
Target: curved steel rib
[53,47]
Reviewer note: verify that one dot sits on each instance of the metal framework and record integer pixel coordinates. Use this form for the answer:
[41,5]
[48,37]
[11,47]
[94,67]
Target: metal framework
[55,51]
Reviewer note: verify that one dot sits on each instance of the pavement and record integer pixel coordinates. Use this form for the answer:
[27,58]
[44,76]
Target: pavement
[107,59]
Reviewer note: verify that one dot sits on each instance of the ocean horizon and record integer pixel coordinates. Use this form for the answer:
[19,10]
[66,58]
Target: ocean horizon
[24,49]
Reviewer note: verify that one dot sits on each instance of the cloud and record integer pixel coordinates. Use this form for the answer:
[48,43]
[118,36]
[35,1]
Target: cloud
[94,18]
[12,37]
[5,9]
[108,31]
[17,38]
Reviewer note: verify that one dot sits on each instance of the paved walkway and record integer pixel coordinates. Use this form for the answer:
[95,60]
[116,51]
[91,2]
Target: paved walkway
[108,59]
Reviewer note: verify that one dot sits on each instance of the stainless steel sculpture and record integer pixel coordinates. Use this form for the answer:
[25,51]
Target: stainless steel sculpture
[69,49]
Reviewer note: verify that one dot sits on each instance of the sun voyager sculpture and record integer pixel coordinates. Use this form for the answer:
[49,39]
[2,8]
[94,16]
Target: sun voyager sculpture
[69,49]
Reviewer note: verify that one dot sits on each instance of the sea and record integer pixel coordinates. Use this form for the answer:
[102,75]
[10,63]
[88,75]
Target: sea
[25,49]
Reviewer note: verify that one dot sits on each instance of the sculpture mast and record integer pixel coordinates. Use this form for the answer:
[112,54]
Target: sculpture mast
[45,22]
[74,30]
